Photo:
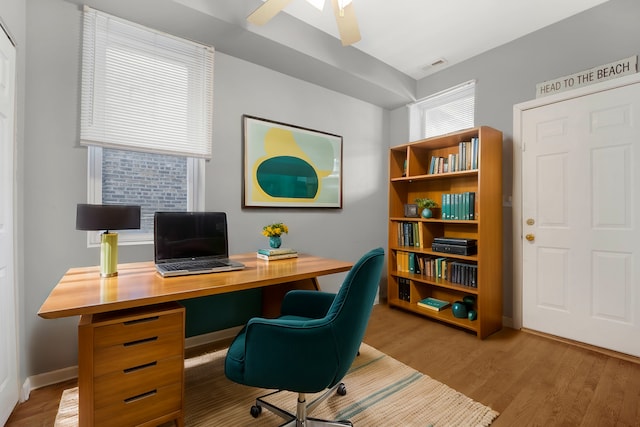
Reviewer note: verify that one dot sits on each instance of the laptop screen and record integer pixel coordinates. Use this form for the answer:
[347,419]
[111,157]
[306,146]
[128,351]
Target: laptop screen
[190,235]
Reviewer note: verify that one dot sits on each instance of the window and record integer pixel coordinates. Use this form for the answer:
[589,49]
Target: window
[444,112]
[147,117]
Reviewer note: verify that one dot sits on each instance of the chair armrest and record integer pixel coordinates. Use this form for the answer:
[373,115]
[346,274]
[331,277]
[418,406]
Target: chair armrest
[312,304]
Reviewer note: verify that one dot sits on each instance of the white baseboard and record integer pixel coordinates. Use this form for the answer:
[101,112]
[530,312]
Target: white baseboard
[26,391]
[35,382]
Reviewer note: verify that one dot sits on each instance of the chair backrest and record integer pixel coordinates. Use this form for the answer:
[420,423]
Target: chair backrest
[351,308]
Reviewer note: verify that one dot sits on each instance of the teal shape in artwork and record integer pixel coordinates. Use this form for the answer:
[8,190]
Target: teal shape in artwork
[287,176]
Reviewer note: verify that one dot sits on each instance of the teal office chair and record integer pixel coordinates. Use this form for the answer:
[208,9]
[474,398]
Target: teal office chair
[311,346]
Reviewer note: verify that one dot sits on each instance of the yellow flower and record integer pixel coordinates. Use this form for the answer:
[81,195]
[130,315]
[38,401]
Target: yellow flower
[275,230]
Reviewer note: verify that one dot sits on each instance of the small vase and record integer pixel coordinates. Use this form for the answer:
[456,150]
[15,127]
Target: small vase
[275,242]
[426,213]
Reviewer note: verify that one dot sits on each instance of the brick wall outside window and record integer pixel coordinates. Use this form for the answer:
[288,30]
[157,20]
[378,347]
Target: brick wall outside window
[154,181]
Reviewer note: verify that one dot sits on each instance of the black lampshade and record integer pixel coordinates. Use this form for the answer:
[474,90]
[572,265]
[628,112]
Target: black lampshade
[107,217]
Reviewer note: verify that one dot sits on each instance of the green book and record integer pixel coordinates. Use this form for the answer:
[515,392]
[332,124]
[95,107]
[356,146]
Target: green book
[433,304]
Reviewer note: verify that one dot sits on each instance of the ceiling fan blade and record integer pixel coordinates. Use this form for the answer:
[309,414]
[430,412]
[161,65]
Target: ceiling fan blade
[266,11]
[347,23]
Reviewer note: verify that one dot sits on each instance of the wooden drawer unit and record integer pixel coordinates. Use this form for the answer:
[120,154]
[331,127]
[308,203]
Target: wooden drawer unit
[131,366]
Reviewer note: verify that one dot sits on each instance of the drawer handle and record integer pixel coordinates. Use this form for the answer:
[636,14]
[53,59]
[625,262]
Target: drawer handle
[140,396]
[142,341]
[139,367]
[146,319]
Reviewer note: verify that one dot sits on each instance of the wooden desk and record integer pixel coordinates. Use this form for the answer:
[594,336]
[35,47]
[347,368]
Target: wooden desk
[118,311]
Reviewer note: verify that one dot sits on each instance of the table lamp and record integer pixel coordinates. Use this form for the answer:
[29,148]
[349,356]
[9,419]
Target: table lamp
[108,218]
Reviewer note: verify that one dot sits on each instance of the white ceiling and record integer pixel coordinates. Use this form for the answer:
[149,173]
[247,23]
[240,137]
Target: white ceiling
[410,35]
[400,38]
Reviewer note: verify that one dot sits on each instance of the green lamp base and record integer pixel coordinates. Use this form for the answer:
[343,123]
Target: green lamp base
[109,254]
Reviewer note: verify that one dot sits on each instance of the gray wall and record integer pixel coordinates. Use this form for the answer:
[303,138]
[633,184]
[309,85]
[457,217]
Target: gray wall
[508,75]
[56,170]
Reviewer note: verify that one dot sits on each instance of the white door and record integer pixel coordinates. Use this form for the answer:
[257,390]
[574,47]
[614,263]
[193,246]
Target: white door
[581,212]
[8,334]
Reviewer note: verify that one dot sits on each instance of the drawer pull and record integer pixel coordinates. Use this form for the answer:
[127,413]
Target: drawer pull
[139,367]
[142,341]
[140,396]
[146,319]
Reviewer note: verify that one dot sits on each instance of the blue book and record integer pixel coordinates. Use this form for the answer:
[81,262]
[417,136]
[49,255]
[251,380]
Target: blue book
[276,251]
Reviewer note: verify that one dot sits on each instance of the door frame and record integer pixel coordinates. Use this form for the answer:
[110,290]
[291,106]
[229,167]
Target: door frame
[14,207]
[518,111]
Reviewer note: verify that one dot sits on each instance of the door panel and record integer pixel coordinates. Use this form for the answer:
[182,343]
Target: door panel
[580,192]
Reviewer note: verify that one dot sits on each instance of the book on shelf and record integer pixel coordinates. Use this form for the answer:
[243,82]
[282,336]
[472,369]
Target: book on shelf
[409,234]
[404,289]
[276,251]
[433,304]
[276,257]
[437,267]
[465,274]
[459,206]
[455,241]
[465,159]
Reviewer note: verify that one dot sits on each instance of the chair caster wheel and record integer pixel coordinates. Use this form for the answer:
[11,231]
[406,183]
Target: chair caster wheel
[255,411]
[342,389]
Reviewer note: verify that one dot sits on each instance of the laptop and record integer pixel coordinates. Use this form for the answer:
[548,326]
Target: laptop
[191,243]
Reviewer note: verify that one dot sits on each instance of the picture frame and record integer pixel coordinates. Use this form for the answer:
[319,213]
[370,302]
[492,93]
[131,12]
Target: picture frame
[288,166]
[411,210]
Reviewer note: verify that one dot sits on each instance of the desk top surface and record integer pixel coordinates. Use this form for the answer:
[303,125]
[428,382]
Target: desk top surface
[83,291]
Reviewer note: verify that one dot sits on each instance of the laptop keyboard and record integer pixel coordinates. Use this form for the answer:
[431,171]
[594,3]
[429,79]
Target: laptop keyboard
[193,265]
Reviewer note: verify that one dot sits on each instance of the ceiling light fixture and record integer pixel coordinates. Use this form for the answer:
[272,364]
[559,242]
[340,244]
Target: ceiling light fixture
[318,4]
[342,4]
[342,9]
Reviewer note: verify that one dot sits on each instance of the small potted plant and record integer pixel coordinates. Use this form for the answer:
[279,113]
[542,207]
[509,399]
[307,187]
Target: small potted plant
[273,232]
[426,205]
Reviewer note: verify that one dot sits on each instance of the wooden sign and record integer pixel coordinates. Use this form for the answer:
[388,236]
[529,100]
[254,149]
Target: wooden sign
[598,74]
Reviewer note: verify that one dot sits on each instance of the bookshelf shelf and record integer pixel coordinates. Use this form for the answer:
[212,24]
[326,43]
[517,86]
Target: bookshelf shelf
[427,280]
[445,315]
[413,175]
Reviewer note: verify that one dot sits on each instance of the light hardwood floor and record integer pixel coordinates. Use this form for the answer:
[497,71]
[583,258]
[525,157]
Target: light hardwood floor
[531,380]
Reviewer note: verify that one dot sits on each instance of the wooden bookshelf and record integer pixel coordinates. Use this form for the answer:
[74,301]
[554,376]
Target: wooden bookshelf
[411,177]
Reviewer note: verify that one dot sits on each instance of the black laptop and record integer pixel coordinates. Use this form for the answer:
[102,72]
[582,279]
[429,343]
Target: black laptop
[191,243]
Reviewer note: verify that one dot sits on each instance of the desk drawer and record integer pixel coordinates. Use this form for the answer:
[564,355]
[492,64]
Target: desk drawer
[123,384]
[131,366]
[152,404]
[138,328]
[136,353]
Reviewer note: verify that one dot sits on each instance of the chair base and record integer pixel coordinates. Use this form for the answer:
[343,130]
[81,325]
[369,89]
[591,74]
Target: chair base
[300,419]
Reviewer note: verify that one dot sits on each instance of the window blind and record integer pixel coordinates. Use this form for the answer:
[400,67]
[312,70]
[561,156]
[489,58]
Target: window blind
[144,90]
[443,112]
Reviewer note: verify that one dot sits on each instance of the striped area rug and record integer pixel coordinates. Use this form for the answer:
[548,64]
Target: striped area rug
[380,392]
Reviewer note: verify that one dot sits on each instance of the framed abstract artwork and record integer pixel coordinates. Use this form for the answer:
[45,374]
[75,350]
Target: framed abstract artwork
[290,166]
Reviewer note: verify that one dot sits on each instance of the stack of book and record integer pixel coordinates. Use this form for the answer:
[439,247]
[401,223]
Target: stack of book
[272,254]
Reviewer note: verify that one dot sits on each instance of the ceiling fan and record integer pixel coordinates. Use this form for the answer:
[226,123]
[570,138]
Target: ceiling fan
[343,10]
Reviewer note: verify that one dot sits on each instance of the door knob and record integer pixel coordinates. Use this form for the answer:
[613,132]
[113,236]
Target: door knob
[530,237]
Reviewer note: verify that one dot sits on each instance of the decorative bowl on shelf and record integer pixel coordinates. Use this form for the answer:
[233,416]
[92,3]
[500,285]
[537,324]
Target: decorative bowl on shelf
[459,309]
